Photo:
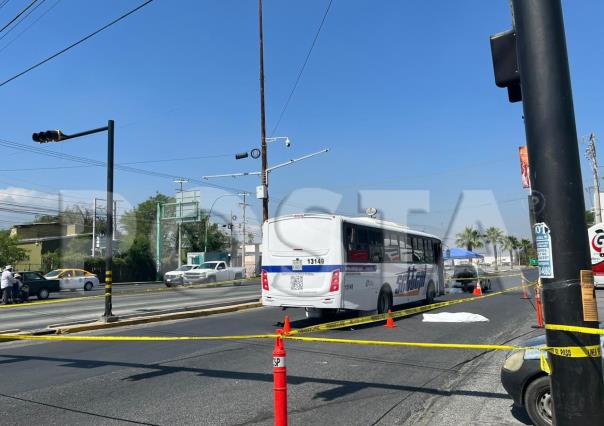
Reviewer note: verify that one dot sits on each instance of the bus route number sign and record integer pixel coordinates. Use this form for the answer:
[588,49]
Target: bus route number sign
[543,239]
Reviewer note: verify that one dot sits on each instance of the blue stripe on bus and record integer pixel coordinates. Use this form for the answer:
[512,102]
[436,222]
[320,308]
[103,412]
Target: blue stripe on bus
[305,268]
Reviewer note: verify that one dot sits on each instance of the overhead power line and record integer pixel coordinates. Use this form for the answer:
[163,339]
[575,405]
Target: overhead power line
[312,46]
[42,15]
[22,19]
[71,46]
[18,15]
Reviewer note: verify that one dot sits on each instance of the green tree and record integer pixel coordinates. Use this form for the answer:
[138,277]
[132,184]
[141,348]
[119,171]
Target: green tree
[469,238]
[526,250]
[510,243]
[493,236]
[10,252]
[194,235]
[250,238]
[590,218]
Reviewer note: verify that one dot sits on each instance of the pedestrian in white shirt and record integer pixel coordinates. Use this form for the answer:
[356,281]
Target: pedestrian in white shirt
[6,284]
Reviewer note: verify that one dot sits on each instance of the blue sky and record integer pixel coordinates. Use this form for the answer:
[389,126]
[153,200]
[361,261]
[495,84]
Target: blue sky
[401,92]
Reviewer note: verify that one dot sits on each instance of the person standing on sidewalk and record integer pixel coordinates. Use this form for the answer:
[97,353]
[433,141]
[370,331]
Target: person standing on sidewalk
[6,283]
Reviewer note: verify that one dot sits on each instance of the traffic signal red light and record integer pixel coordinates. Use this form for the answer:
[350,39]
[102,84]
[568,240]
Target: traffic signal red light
[48,136]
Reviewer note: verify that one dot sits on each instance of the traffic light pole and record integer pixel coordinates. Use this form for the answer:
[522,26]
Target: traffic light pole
[264,174]
[58,136]
[108,315]
[577,386]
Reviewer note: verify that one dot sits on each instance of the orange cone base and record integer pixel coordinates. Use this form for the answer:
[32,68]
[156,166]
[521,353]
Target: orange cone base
[389,321]
[477,290]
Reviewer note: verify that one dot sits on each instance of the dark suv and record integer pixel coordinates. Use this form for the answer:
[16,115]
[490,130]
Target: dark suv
[466,276]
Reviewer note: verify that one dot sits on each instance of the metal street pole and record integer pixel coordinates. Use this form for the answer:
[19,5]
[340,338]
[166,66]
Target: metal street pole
[593,159]
[263,175]
[158,243]
[577,386]
[243,206]
[108,315]
[94,228]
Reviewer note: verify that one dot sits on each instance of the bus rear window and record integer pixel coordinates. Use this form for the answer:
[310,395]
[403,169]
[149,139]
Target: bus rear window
[301,235]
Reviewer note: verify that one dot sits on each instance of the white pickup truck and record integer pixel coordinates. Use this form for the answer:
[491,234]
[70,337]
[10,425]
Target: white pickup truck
[211,272]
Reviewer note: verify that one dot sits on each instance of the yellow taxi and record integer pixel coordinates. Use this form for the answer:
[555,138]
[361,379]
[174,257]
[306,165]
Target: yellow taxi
[74,279]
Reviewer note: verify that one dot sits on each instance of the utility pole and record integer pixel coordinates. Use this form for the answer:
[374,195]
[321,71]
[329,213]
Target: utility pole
[577,386]
[590,153]
[263,174]
[243,206]
[94,228]
[179,223]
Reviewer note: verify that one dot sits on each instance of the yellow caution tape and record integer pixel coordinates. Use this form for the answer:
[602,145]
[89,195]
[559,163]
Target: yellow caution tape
[569,352]
[132,338]
[398,314]
[574,328]
[544,363]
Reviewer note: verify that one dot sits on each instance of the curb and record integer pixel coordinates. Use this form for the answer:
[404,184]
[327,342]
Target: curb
[157,318]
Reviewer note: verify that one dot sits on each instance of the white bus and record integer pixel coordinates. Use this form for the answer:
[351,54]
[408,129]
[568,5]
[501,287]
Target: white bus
[326,263]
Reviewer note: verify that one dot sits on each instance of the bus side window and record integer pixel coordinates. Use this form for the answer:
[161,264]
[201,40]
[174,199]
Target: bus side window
[376,246]
[406,249]
[418,250]
[429,251]
[357,249]
[391,249]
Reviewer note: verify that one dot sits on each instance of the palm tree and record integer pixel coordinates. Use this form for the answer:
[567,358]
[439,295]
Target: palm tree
[469,238]
[526,246]
[493,236]
[510,243]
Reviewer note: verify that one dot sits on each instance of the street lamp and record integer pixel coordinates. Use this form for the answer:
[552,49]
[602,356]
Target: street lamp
[58,136]
[205,239]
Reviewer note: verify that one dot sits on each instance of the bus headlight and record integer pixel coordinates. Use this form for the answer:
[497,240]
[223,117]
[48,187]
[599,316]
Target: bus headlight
[514,361]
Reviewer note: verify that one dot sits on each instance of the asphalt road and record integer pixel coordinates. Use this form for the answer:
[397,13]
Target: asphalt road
[230,382]
[33,316]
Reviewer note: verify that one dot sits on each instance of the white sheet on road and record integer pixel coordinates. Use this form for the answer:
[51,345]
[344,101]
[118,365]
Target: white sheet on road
[454,317]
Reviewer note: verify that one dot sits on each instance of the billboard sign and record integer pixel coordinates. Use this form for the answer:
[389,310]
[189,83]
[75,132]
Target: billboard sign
[524,166]
[596,247]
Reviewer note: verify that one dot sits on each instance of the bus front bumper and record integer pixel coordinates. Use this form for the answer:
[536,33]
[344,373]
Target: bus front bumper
[319,302]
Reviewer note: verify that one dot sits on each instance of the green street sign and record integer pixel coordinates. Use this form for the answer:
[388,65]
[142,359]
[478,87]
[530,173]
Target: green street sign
[533,262]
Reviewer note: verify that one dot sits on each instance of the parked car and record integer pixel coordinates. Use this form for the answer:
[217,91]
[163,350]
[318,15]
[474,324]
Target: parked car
[466,277]
[34,284]
[74,279]
[175,277]
[527,384]
[210,272]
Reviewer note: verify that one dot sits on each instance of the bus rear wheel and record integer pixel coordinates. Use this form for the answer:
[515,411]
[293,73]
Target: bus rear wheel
[430,293]
[384,302]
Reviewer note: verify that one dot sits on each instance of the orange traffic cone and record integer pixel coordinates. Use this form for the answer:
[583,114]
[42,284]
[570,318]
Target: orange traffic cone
[538,306]
[389,321]
[477,290]
[286,325]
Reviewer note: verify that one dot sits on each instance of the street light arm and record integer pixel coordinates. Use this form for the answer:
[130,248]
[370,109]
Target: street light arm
[233,175]
[295,160]
[85,133]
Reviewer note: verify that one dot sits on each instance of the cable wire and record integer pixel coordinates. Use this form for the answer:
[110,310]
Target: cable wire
[18,15]
[312,46]
[71,46]
[22,19]
[42,15]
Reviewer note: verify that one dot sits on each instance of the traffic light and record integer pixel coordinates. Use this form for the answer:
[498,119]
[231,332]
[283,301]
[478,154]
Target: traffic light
[505,63]
[48,136]
[241,155]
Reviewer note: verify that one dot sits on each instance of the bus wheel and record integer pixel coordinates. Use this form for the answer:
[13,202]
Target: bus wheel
[384,302]
[430,293]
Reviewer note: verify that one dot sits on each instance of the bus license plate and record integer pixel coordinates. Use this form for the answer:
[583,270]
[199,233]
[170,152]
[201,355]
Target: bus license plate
[296,265]
[297,282]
